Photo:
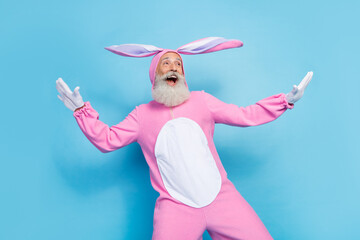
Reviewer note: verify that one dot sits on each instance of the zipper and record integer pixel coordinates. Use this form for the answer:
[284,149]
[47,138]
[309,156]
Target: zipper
[172,112]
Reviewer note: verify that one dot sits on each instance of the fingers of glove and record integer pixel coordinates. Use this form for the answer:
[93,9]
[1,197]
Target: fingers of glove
[62,91]
[63,86]
[65,95]
[60,98]
[59,89]
[68,98]
[76,92]
[294,90]
[67,102]
[306,80]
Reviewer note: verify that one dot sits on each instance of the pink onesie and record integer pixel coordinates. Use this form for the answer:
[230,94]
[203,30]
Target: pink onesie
[177,142]
[185,168]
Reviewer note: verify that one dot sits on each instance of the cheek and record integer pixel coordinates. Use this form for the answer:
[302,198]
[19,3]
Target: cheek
[162,70]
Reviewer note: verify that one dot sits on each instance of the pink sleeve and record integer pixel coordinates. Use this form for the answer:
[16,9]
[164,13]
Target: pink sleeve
[264,111]
[104,138]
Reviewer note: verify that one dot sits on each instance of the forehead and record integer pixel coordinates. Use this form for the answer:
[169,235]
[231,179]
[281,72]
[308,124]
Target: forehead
[170,55]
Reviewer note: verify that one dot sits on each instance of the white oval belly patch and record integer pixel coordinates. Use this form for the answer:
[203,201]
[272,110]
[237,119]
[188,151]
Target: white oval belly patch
[186,165]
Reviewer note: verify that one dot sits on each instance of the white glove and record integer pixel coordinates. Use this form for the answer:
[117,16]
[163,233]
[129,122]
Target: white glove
[298,91]
[72,100]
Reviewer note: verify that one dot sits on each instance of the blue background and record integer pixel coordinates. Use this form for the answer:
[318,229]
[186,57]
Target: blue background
[300,173]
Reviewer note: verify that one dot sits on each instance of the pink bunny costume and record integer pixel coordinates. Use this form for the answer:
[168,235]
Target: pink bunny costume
[177,142]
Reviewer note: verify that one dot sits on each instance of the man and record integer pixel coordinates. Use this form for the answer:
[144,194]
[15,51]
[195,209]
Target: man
[175,132]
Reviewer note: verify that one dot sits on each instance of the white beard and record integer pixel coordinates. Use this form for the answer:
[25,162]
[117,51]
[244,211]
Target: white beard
[168,95]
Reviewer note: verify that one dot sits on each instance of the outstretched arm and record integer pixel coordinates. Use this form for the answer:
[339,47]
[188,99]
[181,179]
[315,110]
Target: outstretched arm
[103,137]
[106,138]
[264,111]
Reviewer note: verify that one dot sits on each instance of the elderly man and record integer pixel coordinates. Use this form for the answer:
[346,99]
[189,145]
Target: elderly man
[175,132]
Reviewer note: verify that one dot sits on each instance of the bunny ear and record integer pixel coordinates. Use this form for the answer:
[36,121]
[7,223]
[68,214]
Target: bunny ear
[209,44]
[134,50]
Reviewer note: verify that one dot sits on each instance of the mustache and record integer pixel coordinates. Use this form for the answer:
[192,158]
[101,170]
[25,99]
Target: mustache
[169,74]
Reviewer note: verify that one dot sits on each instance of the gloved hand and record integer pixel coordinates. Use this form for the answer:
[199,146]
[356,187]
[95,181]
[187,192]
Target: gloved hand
[297,91]
[72,100]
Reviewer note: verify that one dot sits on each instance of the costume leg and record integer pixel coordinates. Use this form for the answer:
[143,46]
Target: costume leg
[177,221]
[231,217]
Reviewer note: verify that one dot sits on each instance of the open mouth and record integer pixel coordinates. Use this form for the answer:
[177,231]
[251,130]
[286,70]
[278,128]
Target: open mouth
[171,80]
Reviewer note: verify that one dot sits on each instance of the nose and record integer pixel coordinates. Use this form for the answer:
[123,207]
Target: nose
[173,67]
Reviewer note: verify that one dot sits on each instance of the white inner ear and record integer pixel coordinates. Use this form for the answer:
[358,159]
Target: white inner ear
[149,48]
[195,45]
[186,164]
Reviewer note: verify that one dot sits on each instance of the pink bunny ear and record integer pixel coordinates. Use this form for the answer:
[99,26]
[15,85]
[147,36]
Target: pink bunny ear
[209,44]
[134,50]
